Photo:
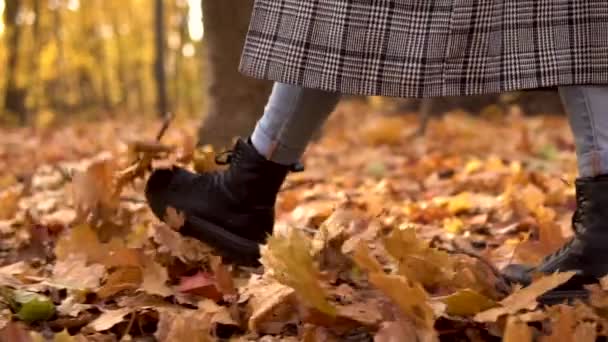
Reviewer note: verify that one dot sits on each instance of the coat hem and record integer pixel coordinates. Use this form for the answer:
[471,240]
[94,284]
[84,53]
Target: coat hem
[249,66]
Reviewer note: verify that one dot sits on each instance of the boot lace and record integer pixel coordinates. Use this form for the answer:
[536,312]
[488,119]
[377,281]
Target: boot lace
[231,156]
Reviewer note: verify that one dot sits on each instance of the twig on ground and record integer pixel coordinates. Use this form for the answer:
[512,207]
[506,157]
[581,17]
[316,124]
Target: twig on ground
[166,123]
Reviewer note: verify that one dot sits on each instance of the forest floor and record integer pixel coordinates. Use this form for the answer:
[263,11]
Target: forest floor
[383,237]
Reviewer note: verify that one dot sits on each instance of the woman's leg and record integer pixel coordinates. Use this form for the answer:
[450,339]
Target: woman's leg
[233,210]
[587,252]
[587,108]
[291,117]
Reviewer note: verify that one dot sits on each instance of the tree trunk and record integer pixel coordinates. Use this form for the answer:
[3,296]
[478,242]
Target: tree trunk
[159,67]
[14,97]
[235,102]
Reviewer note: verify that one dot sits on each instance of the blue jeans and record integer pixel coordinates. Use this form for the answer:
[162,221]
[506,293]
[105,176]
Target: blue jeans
[293,114]
[587,108]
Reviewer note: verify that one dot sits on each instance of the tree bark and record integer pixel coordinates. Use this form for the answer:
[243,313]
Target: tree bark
[14,97]
[159,67]
[235,102]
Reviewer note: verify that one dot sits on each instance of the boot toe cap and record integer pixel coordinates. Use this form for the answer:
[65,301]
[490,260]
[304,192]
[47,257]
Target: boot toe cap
[158,191]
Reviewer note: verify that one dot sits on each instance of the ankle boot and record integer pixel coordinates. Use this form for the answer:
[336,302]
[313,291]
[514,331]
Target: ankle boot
[587,252]
[231,210]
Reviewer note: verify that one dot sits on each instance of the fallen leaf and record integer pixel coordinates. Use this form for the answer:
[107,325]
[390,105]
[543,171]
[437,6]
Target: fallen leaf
[288,259]
[175,219]
[269,303]
[416,260]
[467,302]
[411,299]
[15,332]
[155,278]
[73,306]
[363,259]
[124,278]
[9,202]
[109,318]
[186,249]
[585,332]
[191,325]
[524,298]
[517,331]
[93,189]
[80,240]
[223,277]
[217,314]
[201,284]
[74,273]
[63,336]
[396,332]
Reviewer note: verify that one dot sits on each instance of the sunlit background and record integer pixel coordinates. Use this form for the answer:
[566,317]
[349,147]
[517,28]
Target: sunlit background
[92,56]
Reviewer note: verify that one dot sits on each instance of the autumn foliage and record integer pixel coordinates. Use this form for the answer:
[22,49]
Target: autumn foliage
[383,237]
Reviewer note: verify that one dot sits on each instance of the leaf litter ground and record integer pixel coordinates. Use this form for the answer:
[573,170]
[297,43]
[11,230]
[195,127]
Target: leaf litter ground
[383,237]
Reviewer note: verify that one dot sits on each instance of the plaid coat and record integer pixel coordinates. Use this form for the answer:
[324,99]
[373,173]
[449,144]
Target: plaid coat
[423,48]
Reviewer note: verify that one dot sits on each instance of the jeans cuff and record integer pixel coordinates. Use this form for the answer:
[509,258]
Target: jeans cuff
[593,163]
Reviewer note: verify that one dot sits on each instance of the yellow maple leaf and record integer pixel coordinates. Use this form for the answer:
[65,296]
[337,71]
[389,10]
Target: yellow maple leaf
[411,298]
[416,260]
[287,258]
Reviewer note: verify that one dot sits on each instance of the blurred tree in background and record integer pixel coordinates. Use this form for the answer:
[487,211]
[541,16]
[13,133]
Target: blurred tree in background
[97,57]
[92,58]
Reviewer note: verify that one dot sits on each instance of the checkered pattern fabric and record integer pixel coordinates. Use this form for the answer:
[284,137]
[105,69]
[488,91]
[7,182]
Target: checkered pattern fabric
[424,48]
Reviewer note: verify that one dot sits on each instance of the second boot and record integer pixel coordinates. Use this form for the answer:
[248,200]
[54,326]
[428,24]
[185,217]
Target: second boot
[587,252]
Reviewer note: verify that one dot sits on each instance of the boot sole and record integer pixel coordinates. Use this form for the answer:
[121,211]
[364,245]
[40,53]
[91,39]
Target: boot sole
[231,247]
[563,297]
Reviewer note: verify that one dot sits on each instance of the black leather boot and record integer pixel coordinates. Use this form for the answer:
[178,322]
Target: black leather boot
[231,210]
[587,252]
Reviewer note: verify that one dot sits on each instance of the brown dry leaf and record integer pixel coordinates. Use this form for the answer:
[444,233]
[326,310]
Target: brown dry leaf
[396,332]
[288,259]
[201,284]
[183,325]
[9,202]
[217,314]
[80,240]
[186,249]
[109,318]
[585,332]
[124,278]
[6,317]
[93,189]
[155,278]
[15,332]
[72,305]
[466,302]
[365,313]
[334,228]
[364,260]
[269,303]
[74,273]
[411,299]
[563,323]
[524,298]
[175,219]
[384,130]
[122,257]
[64,336]
[314,333]
[517,331]
[223,277]
[416,260]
